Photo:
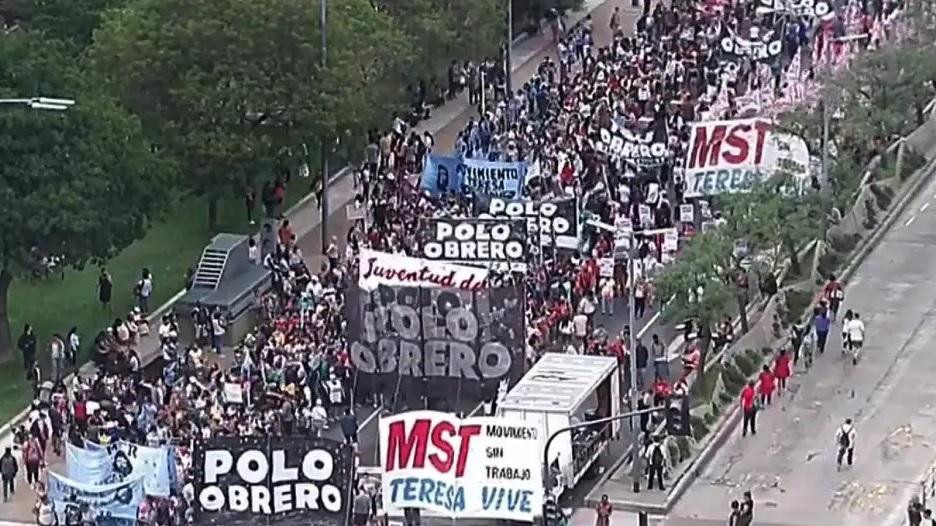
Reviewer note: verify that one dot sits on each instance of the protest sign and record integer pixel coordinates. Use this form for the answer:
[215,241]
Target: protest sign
[121,461]
[475,241]
[606,267]
[726,157]
[107,504]
[355,211]
[643,212]
[550,220]
[670,240]
[478,468]
[394,270]
[457,174]
[272,480]
[410,342]
[618,142]
[686,214]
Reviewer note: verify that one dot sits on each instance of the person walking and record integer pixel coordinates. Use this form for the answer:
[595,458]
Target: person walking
[746,514]
[57,353]
[821,323]
[856,336]
[361,508]
[33,457]
[603,512]
[143,290]
[656,459]
[766,386]
[349,427]
[781,370]
[845,439]
[749,408]
[915,511]
[105,287]
[8,470]
[27,345]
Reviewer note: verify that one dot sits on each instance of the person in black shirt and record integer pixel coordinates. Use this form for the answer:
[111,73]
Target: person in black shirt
[27,346]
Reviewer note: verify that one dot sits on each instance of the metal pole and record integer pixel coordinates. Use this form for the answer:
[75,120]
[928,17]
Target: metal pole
[508,50]
[547,482]
[324,182]
[631,314]
[824,180]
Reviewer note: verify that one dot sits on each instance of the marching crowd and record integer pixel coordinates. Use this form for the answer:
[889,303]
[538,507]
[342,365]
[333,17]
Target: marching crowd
[292,374]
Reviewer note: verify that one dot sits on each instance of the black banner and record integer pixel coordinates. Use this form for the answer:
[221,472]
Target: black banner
[475,240]
[447,345]
[272,480]
[641,152]
[554,219]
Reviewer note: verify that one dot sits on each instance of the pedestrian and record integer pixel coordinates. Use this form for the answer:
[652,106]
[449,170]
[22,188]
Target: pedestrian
[319,418]
[143,290]
[250,202]
[846,344]
[33,458]
[735,514]
[349,427]
[27,345]
[361,508]
[746,516]
[44,510]
[821,324]
[218,328]
[72,346]
[8,470]
[607,296]
[845,440]
[640,299]
[928,519]
[834,295]
[656,456]
[782,370]
[57,353]
[749,408]
[105,286]
[766,386]
[915,511]
[603,510]
[856,336]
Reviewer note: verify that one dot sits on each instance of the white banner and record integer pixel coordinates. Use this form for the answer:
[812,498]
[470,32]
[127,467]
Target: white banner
[606,267]
[482,467]
[727,157]
[393,270]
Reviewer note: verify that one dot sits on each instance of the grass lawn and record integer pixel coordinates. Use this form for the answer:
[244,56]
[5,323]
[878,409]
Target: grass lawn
[56,305]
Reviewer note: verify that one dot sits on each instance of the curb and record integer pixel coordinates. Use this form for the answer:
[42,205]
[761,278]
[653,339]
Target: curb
[729,422]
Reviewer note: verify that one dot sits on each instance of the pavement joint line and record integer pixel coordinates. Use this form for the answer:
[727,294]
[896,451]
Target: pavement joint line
[924,207]
[910,221]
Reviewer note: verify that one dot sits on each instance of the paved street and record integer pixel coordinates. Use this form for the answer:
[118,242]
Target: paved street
[790,464]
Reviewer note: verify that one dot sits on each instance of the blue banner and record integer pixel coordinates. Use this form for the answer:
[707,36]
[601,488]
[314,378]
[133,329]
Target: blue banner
[457,174]
[109,504]
[122,461]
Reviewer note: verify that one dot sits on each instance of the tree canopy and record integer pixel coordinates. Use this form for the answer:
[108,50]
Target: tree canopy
[78,185]
[224,85]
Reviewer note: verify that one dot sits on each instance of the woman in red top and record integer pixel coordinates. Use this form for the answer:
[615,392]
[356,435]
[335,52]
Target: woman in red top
[766,385]
[782,370]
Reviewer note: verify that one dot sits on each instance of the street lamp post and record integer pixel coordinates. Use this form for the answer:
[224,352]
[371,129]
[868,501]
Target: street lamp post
[632,343]
[508,50]
[324,142]
[42,103]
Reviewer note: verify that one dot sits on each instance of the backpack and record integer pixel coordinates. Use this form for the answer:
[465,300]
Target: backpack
[32,452]
[844,441]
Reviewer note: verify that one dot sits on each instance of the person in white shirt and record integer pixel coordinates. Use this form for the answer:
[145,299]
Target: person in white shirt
[856,335]
[218,328]
[319,418]
[253,251]
[845,441]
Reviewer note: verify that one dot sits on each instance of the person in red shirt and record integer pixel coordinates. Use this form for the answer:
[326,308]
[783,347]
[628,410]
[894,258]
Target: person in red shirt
[781,370]
[766,385]
[748,395]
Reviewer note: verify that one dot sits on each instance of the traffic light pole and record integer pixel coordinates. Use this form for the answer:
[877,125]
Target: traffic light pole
[635,453]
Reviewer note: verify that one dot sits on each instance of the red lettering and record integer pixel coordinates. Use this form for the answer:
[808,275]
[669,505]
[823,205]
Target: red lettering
[705,149]
[400,446]
[465,433]
[441,434]
[737,140]
[762,127]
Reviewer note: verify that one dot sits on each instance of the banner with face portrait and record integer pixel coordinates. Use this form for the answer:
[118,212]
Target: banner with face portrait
[499,244]
[251,481]
[447,345]
[443,175]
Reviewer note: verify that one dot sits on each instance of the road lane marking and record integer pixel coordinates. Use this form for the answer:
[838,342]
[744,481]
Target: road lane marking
[909,221]
[924,207]
[370,417]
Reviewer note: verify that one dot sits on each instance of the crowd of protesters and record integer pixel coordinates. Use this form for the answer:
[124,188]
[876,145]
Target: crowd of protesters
[292,374]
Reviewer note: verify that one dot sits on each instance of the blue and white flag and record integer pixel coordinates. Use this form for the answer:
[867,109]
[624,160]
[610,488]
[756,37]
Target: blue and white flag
[109,504]
[119,462]
[488,178]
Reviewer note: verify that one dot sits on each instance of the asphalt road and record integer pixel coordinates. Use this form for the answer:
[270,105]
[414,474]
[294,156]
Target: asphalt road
[790,464]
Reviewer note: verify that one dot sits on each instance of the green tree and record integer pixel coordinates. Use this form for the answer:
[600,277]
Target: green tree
[225,85]
[72,21]
[79,185]
[443,31]
[699,283]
